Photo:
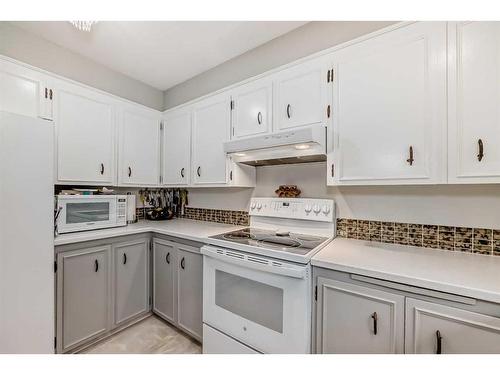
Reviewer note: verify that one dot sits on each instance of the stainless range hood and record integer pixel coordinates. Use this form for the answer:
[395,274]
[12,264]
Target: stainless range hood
[304,145]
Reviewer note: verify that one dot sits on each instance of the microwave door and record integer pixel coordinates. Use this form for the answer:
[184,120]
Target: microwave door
[87,212]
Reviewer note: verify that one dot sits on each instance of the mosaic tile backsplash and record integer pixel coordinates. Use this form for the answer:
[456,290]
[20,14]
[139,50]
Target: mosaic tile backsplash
[471,240]
[207,214]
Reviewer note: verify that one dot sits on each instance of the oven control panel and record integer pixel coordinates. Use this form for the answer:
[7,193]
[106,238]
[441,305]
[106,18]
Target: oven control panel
[294,208]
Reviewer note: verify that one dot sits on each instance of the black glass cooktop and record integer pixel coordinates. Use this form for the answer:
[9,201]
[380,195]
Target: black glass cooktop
[278,241]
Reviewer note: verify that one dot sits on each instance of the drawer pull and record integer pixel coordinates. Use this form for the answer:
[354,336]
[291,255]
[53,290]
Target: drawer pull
[481,149]
[182,172]
[375,318]
[124,258]
[96,265]
[129,172]
[288,108]
[259,118]
[410,160]
[183,263]
[198,171]
[439,340]
[102,168]
[167,258]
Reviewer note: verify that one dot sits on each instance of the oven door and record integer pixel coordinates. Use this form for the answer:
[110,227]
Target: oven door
[86,213]
[261,302]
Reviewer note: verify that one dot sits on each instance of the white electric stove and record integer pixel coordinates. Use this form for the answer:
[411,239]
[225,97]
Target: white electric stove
[257,287]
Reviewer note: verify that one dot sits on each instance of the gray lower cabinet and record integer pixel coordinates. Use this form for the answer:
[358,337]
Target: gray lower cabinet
[164,279]
[358,320]
[178,285]
[190,291]
[131,272]
[435,328]
[84,295]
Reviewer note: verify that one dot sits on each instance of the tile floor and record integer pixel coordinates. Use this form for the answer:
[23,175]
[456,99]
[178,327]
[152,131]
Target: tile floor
[150,336]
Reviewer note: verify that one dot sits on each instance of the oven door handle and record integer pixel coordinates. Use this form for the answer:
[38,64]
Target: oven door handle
[255,262]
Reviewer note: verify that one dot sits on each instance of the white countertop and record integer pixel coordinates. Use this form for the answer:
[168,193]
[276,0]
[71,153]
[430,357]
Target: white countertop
[193,230]
[470,275]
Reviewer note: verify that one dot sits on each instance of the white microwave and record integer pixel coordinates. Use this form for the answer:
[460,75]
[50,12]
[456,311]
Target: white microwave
[87,212]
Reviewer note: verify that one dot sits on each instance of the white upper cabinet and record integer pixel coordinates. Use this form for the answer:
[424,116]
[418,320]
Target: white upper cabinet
[139,146]
[389,108]
[211,128]
[177,147]
[474,97]
[85,125]
[25,91]
[252,108]
[300,95]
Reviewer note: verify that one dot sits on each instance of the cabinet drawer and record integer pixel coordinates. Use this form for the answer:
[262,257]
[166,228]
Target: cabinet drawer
[439,329]
[353,319]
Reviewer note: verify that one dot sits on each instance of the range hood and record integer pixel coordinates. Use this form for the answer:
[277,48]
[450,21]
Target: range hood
[304,145]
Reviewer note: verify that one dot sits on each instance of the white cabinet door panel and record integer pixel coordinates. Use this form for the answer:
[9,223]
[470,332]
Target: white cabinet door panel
[353,319]
[389,119]
[211,127]
[433,328]
[474,97]
[300,95]
[85,123]
[139,152]
[177,148]
[252,108]
[24,91]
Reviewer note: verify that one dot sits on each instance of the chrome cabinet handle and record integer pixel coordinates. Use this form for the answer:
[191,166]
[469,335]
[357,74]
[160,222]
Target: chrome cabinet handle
[96,265]
[198,171]
[375,319]
[288,107]
[167,258]
[183,263]
[259,118]
[124,258]
[410,160]
[129,172]
[182,172]
[102,168]
[439,340]
[481,149]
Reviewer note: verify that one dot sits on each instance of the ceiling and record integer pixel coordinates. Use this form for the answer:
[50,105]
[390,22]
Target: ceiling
[161,53]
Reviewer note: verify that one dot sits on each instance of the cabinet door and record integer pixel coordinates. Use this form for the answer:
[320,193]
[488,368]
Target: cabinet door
[252,108]
[190,290]
[131,261]
[177,148]
[164,279]
[474,94]
[211,127]
[433,328]
[353,319]
[85,123]
[300,95]
[389,100]
[24,91]
[83,295]
[139,150]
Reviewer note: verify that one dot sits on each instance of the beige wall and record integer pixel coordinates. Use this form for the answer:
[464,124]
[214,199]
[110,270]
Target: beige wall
[303,41]
[31,49]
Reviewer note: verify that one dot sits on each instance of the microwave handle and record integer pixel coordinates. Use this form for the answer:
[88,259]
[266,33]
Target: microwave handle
[298,272]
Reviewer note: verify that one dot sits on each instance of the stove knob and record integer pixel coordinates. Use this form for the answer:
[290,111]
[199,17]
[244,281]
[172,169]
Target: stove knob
[252,206]
[259,206]
[316,209]
[326,209]
[307,208]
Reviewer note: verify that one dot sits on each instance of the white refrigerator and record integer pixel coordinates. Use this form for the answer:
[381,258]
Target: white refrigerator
[26,234]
